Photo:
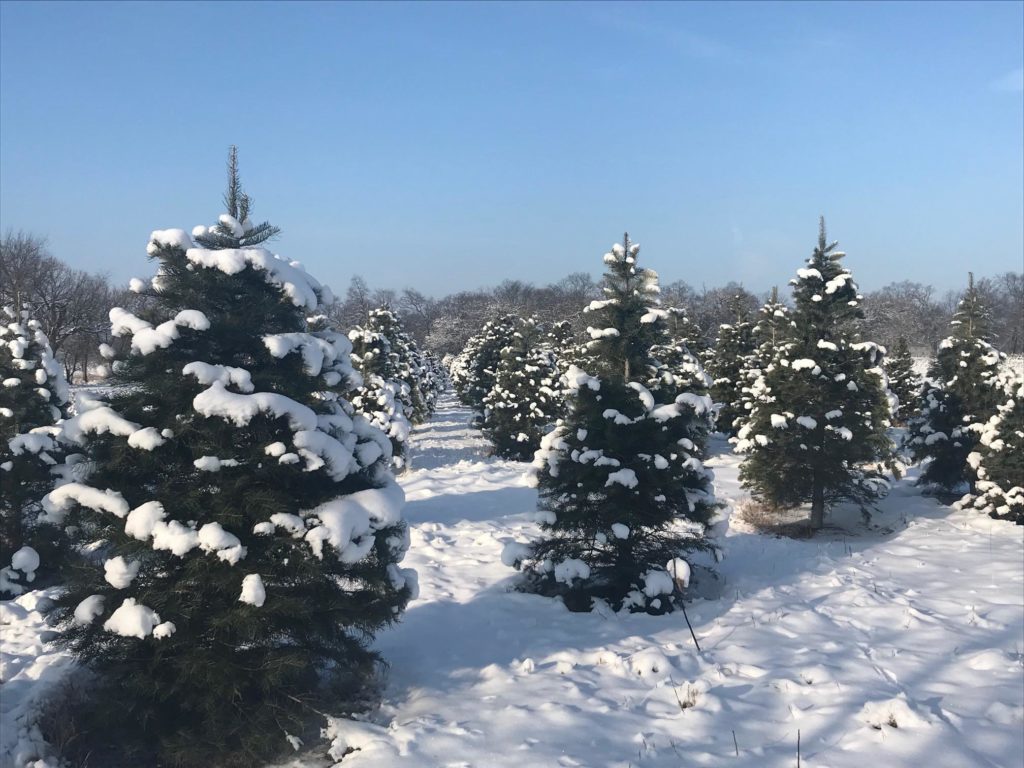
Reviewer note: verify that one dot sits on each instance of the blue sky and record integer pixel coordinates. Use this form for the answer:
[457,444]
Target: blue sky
[449,146]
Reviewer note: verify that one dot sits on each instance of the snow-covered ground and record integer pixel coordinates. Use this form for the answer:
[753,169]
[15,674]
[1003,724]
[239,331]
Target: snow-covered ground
[896,645]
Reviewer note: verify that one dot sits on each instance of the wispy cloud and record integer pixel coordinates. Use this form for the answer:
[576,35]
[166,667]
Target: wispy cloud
[1011,82]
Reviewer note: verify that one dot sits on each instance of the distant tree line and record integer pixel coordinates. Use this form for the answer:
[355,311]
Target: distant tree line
[73,305]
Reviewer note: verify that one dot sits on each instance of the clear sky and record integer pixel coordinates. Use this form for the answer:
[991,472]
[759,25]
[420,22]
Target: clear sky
[449,146]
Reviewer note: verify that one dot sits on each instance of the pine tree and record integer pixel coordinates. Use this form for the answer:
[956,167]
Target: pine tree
[999,458]
[726,365]
[772,329]
[33,399]
[476,377]
[961,390]
[239,533]
[405,362]
[523,402]
[684,332]
[623,491]
[903,382]
[382,397]
[817,430]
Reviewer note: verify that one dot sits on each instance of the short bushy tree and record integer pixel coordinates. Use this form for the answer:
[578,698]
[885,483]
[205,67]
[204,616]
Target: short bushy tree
[962,389]
[623,491]
[524,402]
[33,399]
[772,329]
[475,376]
[817,429]
[382,397]
[999,456]
[238,528]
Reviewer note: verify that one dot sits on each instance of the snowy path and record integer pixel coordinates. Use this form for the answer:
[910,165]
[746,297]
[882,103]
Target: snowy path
[835,636]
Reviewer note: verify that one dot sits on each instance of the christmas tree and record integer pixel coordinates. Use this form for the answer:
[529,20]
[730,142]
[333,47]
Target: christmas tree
[727,363]
[33,399]
[903,382]
[817,429]
[772,329]
[406,362]
[523,402]
[623,491]
[962,389]
[382,397]
[239,531]
[474,377]
[999,458]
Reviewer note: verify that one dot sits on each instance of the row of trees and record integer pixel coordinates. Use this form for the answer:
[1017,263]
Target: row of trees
[225,523]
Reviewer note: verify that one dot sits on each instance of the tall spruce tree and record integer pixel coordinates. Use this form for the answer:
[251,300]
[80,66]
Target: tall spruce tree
[962,389]
[817,429]
[33,399]
[999,456]
[726,364]
[623,492]
[238,531]
[903,382]
[523,402]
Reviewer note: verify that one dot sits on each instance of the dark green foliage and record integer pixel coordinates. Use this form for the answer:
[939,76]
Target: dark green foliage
[903,382]
[773,328]
[999,458]
[33,398]
[523,403]
[817,429]
[726,364]
[382,397]
[623,491]
[407,364]
[475,373]
[226,683]
[234,229]
[961,390]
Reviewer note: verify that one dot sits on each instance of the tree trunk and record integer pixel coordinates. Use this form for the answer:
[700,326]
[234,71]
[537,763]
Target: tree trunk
[817,504]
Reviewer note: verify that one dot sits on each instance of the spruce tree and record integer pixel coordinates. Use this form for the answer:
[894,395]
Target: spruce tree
[482,357]
[726,365]
[903,382]
[405,362]
[961,390]
[623,491]
[999,458]
[817,429]
[33,399]
[238,529]
[523,402]
[684,332]
[382,396]
[772,329]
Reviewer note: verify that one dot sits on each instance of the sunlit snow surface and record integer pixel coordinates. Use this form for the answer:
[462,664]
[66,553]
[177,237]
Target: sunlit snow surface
[917,622]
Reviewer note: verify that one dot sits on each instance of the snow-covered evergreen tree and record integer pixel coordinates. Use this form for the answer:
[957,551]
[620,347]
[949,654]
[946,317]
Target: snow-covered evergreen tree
[726,363]
[406,363]
[999,458]
[238,528]
[474,378]
[817,429]
[961,390]
[772,329]
[33,399]
[382,397]
[684,332]
[623,492]
[903,382]
[523,403]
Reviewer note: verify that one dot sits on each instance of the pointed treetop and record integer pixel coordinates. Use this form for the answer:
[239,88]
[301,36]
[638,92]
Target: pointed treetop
[775,294]
[234,229]
[822,240]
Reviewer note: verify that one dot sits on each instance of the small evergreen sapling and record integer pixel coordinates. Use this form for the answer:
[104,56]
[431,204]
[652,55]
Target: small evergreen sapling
[817,429]
[962,389]
[773,328]
[33,400]
[475,377]
[382,396]
[523,403]
[238,531]
[623,491]
[726,364]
